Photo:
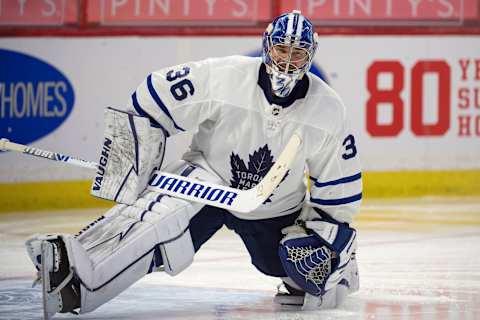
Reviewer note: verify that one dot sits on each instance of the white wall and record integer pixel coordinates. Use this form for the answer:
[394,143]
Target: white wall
[105,71]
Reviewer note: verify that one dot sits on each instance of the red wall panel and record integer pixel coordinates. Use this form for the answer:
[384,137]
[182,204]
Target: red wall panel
[38,12]
[389,12]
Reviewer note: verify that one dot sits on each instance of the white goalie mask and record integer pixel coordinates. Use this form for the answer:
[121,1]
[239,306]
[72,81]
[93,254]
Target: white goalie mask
[289,44]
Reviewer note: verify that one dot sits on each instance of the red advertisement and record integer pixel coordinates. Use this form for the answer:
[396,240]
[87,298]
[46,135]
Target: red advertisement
[385,11]
[458,80]
[38,12]
[184,12]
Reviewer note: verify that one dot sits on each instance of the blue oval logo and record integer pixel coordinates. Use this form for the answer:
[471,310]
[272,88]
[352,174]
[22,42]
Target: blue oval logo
[35,97]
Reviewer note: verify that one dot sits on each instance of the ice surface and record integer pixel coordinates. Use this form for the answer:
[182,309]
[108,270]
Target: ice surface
[418,259]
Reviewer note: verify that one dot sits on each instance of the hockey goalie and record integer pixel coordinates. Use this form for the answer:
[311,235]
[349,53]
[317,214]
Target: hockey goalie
[242,111]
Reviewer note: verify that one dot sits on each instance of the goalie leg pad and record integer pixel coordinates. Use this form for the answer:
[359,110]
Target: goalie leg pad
[127,244]
[130,152]
[124,245]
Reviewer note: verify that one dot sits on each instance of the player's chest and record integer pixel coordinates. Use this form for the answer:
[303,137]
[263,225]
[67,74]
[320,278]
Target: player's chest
[259,119]
[253,139]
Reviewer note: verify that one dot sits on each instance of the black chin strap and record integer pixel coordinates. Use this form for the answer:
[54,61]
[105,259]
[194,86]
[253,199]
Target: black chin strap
[298,92]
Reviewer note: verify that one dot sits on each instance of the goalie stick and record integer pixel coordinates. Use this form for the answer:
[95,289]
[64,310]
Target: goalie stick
[220,196]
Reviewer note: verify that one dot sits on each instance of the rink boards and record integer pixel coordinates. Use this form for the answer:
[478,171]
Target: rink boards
[413,104]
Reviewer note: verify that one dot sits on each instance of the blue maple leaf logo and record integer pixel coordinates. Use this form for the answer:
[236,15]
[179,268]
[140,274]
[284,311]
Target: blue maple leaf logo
[259,163]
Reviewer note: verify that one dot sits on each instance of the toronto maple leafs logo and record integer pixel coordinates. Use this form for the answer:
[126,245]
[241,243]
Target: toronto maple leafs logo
[259,163]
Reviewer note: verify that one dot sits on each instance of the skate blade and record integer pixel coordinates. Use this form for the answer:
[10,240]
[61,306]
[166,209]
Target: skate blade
[47,301]
[288,300]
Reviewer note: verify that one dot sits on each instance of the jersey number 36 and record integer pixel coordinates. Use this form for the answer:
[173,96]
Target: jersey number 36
[182,88]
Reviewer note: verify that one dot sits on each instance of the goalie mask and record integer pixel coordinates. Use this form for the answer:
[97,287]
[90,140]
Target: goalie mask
[289,44]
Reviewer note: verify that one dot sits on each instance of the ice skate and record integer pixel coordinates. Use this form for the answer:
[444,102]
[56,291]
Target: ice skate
[60,291]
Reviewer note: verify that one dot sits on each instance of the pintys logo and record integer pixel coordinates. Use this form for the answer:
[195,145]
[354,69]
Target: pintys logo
[35,97]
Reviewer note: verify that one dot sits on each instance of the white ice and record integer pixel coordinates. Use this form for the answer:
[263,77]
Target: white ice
[418,259]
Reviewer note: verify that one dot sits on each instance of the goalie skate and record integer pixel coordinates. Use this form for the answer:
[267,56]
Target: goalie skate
[52,302]
[60,291]
[288,295]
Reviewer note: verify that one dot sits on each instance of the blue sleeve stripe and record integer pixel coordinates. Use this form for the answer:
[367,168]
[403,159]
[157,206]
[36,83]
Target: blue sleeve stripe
[355,177]
[336,202]
[159,101]
[139,109]
[142,113]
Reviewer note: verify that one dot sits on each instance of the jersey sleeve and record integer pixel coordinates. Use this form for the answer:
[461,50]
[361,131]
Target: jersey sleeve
[335,176]
[175,98]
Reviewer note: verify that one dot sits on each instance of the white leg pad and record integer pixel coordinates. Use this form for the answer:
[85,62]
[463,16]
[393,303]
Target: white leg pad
[127,242]
[122,247]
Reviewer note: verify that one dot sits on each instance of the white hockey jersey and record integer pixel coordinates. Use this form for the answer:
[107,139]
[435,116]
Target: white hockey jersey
[239,133]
